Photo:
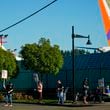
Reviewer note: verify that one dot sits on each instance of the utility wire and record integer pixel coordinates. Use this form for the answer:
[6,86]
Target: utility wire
[28,16]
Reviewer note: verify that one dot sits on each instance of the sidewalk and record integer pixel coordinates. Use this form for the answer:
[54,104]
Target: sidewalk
[66,106]
[81,104]
[78,104]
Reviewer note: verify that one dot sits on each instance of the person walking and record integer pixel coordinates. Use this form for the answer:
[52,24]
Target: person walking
[60,92]
[9,91]
[40,90]
[85,90]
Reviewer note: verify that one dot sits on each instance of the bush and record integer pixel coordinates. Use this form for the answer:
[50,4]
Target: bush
[21,96]
[17,96]
[1,97]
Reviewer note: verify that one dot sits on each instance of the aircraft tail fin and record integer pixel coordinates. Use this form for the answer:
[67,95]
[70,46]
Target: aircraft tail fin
[105,13]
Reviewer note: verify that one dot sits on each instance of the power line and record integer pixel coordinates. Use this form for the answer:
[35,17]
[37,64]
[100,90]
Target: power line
[28,16]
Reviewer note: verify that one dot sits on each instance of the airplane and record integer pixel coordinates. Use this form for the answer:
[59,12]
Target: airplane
[105,13]
[104,6]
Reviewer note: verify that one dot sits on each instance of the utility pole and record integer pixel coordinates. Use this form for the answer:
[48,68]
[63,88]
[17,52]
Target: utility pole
[2,37]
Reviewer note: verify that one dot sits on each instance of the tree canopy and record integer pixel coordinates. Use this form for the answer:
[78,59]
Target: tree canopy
[42,57]
[8,62]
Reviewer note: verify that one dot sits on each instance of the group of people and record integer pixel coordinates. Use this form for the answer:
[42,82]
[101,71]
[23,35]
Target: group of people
[9,92]
[98,93]
[60,92]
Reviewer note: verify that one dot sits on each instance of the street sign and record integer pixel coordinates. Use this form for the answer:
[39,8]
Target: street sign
[36,77]
[4,74]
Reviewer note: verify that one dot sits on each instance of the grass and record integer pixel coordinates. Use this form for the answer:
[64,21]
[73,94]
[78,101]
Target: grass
[44,101]
[34,101]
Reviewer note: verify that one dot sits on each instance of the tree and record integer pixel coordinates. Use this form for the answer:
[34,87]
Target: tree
[8,62]
[80,52]
[42,57]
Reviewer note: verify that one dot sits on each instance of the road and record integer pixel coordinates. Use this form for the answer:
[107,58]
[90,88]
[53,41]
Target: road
[16,106]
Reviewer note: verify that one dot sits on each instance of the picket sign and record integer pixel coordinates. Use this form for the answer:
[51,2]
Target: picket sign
[4,74]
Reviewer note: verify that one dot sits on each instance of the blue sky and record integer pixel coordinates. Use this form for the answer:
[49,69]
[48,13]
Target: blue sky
[54,23]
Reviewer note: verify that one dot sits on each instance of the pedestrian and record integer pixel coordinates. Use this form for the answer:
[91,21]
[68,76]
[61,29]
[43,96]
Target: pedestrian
[9,91]
[40,90]
[85,90]
[98,95]
[60,92]
[107,90]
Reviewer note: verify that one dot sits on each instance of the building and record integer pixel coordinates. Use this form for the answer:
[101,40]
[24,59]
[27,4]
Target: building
[92,66]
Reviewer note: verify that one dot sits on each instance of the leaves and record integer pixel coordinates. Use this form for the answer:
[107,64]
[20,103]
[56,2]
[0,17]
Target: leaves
[42,57]
[8,62]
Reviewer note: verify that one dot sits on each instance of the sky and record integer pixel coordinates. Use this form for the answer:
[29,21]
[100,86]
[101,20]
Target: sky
[54,23]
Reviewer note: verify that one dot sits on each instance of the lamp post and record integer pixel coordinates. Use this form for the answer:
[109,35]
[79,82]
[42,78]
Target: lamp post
[73,63]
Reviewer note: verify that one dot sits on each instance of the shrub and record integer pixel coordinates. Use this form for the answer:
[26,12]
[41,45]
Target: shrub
[1,97]
[22,96]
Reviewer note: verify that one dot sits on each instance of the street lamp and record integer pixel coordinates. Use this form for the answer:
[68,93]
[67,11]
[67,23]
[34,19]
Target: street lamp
[73,69]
